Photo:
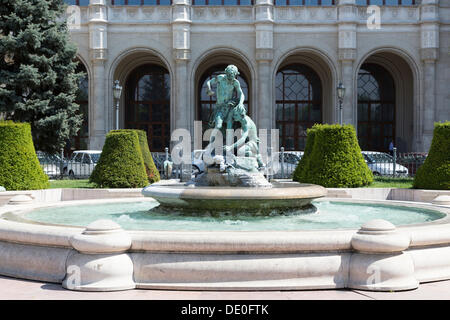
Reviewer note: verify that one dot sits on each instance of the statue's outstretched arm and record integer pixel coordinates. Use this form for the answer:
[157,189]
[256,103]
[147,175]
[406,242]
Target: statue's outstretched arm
[208,85]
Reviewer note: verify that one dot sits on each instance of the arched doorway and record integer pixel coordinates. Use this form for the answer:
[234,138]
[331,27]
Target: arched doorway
[298,104]
[206,103]
[376,108]
[147,104]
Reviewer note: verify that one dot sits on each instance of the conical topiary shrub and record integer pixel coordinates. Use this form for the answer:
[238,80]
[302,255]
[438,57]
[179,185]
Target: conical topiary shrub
[435,171]
[150,167]
[19,165]
[301,171]
[335,158]
[121,164]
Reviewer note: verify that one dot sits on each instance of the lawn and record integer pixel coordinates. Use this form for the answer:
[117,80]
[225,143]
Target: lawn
[70,183]
[388,182]
[379,182]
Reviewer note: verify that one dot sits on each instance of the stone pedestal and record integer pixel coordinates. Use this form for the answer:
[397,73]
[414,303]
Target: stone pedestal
[100,262]
[379,263]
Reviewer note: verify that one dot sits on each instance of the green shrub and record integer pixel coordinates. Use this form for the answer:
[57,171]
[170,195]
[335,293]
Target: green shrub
[121,164]
[333,158]
[19,165]
[435,171]
[301,171]
[150,167]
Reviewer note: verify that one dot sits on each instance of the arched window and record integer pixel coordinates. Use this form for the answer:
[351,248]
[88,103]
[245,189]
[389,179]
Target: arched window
[206,103]
[298,104]
[147,104]
[376,108]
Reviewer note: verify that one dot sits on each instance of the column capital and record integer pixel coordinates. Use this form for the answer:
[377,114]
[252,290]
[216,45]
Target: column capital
[98,11]
[181,11]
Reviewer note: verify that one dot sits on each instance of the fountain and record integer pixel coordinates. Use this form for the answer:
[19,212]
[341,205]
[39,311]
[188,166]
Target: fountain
[66,235]
[233,183]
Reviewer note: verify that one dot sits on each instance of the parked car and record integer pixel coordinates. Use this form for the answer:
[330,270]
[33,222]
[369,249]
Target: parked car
[291,159]
[198,166]
[82,163]
[50,163]
[381,163]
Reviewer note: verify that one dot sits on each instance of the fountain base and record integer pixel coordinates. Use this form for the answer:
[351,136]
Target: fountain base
[282,197]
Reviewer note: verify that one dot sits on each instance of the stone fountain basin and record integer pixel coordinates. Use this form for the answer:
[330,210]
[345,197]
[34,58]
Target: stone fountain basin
[102,257]
[282,196]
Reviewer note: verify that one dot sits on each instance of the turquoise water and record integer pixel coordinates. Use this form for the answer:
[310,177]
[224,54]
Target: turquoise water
[139,216]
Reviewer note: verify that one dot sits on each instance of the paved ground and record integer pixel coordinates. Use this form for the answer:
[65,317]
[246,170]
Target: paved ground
[14,289]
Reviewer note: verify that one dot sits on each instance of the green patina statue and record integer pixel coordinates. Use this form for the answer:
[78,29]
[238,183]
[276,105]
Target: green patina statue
[229,95]
[230,109]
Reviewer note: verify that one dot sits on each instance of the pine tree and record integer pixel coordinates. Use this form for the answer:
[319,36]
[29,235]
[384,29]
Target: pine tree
[38,81]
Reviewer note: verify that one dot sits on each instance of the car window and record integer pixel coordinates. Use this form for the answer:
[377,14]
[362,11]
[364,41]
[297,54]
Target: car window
[76,157]
[95,157]
[86,159]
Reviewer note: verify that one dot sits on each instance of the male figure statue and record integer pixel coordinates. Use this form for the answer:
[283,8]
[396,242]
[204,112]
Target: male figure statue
[227,87]
[248,143]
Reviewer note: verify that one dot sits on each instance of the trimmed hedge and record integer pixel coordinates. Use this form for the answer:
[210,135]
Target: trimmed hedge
[435,171]
[333,158]
[121,164]
[19,165]
[302,169]
[150,167]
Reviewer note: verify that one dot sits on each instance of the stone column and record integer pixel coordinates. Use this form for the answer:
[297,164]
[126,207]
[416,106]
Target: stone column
[347,54]
[98,117]
[181,25]
[263,106]
[379,262]
[429,34]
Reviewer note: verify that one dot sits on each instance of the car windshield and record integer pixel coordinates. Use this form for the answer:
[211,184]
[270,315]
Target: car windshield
[379,157]
[95,157]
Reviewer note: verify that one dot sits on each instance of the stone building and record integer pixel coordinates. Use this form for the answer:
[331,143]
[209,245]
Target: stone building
[393,59]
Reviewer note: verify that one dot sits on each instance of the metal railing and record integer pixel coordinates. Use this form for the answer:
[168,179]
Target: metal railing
[381,164]
[394,165]
[60,168]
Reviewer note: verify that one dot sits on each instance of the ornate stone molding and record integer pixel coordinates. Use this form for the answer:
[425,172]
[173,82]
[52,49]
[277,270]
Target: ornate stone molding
[181,54]
[98,55]
[429,54]
[347,54]
[264,54]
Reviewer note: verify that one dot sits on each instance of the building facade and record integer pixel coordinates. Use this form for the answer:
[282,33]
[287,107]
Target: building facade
[392,56]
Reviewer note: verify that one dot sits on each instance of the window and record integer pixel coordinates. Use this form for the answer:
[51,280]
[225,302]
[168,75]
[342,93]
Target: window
[298,104]
[222,2]
[77,2]
[147,104]
[387,2]
[376,108]
[304,2]
[141,2]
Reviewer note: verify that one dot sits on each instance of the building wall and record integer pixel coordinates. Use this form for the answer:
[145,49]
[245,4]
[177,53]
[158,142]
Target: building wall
[413,43]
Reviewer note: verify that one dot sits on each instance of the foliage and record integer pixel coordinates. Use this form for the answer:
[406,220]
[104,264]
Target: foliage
[333,158]
[435,171]
[150,167]
[38,81]
[19,165]
[121,164]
